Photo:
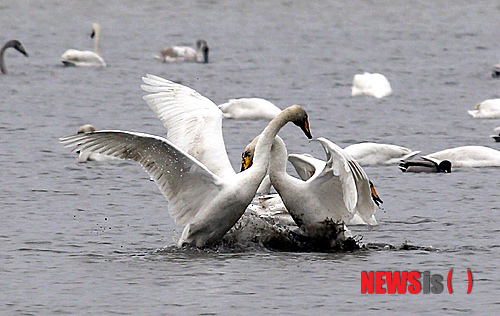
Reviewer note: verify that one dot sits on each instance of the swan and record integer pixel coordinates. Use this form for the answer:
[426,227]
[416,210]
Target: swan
[486,109]
[73,57]
[185,53]
[249,109]
[468,156]
[372,154]
[496,137]
[496,71]
[331,193]
[375,85]
[87,155]
[426,165]
[191,166]
[14,44]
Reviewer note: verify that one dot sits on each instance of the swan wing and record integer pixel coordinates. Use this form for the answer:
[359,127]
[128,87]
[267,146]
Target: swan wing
[184,181]
[194,123]
[338,170]
[305,165]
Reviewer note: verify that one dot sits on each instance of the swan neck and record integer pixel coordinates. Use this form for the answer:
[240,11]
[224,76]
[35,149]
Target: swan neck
[277,167]
[97,35]
[3,69]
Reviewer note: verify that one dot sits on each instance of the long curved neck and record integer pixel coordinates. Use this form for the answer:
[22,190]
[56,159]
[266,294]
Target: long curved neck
[97,35]
[3,69]
[277,167]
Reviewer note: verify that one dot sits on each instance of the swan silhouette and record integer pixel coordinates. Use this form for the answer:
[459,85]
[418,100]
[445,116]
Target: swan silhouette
[468,156]
[249,109]
[73,57]
[372,154]
[14,44]
[375,85]
[486,109]
[191,166]
[185,53]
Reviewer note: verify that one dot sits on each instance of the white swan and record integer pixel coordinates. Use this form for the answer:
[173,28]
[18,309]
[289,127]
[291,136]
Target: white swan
[375,85]
[191,167]
[73,57]
[486,109]
[185,53]
[330,192]
[468,156]
[249,109]
[372,154]
[14,44]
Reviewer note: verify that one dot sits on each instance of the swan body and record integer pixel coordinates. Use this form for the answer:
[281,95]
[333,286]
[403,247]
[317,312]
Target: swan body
[249,109]
[372,154]
[185,53]
[468,156]
[14,44]
[486,109]
[426,165]
[73,57]
[375,85]
[191,167]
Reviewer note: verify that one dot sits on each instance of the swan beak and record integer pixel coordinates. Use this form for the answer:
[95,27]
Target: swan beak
[246,162]
[305,128]
[375,196]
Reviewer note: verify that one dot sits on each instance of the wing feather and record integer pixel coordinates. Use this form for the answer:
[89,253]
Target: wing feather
[185,182]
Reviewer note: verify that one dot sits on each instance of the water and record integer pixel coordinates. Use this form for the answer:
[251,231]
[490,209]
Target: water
[85,238]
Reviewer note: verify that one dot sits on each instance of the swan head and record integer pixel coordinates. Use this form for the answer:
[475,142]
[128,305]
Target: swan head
[17,46]
[202,46]
[247,155]
[95,30]
[298,116]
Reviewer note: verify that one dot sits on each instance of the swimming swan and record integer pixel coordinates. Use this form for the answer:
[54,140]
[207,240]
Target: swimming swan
[372,154]
[486,109]
[191,166]
[249,109]
[375,85]
[73,57]
[14,44]
[425,165]
[332,191]
[468,156]
[185,53]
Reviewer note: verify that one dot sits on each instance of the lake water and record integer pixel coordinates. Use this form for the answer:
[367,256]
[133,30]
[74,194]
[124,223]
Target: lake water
[86,238]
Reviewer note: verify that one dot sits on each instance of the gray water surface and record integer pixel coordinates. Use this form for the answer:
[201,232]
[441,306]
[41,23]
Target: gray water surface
[88,238]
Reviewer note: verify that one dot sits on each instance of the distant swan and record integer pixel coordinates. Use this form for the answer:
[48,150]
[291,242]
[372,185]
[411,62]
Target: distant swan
[191,166]
[486,109]
[496,71]
[372,154]
[469,156]
[185,53]
[249,109]
[497,136]
[14,44]
[329,193]
[425,165]
[87,155]
[375,85]
[73,57]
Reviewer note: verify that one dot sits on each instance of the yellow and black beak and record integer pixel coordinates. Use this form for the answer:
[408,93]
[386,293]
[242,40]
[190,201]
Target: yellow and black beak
[375,196]
[246,162]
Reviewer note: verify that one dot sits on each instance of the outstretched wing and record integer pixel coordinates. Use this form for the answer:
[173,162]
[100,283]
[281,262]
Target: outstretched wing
[186,183]
[194,123]
[306,165]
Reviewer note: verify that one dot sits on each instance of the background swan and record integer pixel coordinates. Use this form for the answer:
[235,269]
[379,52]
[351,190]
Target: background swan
[87,155]
[375,85]
[497,136]
[249,109]
[14,44]
[468,156]
[185,53]
[425,165]
[204,193]
[372,154]
[496,71]
[486,109]
[73,57]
